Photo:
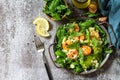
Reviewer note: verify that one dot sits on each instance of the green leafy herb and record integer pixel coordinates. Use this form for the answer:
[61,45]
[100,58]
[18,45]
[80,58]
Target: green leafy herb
[95,42]
[60,53]
[56,9]
[86,24]
[92,15]
[102,33]
[74,33]
[60,35]
[74,45]
[88,35]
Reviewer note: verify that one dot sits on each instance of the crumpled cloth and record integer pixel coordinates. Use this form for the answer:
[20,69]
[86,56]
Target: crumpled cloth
[111,8]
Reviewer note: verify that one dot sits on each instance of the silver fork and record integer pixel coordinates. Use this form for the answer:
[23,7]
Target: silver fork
[40,48]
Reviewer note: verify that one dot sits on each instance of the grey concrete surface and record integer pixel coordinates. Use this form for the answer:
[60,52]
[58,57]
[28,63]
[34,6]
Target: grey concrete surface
[19,59]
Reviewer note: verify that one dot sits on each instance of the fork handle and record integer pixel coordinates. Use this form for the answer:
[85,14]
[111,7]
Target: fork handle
[47,67]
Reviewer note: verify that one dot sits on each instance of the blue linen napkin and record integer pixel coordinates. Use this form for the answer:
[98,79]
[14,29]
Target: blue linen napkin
[111,8]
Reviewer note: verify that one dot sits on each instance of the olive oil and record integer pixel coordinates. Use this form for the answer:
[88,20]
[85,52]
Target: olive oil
[81,3]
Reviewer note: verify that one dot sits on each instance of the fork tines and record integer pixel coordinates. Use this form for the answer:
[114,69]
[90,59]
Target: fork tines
[39,44]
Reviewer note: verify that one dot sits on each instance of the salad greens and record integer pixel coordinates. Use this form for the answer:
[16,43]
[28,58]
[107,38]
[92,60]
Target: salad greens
[56,9]
[81,47]
[93,15]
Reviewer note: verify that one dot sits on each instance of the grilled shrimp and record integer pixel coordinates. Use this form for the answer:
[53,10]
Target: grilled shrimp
[79,38]
[82,37]
[65,44]
[86,50]
[72,54]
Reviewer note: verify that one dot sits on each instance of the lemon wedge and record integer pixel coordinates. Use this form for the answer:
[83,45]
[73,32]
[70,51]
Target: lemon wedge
[42,26]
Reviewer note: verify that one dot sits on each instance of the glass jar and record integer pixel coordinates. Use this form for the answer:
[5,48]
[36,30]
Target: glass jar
[81,3]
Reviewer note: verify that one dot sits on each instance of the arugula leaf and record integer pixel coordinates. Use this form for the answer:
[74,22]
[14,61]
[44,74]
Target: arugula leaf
[88,35]
[88,23]
[61,62]
[60,8]
[108,50]
[74,45]
[92,15]
[105,41]
[95,42]
[56,16]
[61,58]
[97,50]
[68,12]
[87,62]
[60,53]
[69,26]
[81,56]
[68,61]
[78,69]
[74,33]
[75,66]
[102,33]
[53,5]
[60,35]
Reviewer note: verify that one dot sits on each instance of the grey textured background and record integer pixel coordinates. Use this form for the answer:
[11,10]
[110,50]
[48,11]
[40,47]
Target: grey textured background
[19,59]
